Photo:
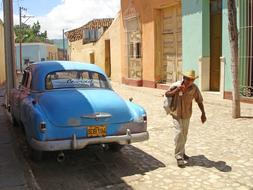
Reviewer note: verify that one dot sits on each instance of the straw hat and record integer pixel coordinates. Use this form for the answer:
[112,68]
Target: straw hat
[190,74]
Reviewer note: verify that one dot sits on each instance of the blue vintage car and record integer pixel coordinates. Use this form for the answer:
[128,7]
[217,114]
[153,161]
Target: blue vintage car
[66,105]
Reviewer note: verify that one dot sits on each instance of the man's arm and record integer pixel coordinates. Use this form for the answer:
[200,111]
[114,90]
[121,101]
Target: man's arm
[172,92]
[203,115]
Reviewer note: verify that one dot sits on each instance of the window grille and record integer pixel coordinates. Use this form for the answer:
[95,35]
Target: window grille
[133,44]
[246,47]
[90,35]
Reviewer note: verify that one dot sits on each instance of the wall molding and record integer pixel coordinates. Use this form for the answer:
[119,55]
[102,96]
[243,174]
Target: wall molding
[204,73]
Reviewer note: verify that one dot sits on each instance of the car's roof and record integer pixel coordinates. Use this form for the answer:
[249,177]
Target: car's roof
[50,66]
[41,69]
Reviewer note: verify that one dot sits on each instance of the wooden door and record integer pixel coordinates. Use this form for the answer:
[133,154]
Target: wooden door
[215,43]
[171,43]
[92,58]
[108,58]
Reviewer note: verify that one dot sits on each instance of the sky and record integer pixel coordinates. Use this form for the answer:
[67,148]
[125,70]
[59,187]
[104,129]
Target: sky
[56,15]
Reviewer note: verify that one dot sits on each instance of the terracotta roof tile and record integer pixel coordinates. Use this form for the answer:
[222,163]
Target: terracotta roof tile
[77,34]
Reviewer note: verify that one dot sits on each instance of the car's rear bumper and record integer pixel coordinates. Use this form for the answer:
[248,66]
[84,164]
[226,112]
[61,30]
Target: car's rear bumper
[75,143]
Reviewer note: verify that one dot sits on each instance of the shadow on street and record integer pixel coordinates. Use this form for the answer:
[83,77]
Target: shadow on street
[203,161]
[91,168]
[246,117]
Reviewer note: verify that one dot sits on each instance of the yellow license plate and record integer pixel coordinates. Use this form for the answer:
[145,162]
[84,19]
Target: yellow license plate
[97,131]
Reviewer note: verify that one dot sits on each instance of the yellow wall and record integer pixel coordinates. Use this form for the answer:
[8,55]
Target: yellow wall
[80,52]
[148,11]
[52,52]
[2,55]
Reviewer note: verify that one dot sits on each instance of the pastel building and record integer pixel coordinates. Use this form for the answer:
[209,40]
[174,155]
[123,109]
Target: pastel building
[98,42]
[2,55]
[162,38]
[33,52]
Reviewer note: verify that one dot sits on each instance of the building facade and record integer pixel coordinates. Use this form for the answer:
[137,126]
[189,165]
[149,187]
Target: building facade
[98,42]
[206,39]
[2,55]
[152,41]
[162,38]
[34,52]
[245,10]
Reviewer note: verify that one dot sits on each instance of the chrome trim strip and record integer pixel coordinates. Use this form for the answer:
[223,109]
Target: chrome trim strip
[97,115]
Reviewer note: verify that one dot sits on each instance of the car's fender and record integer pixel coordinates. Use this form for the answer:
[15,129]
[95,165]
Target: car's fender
[31,117]
[136,110]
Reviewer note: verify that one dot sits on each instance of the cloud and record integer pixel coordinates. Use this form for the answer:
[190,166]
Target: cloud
[15,17]
[71,14]
[1,15]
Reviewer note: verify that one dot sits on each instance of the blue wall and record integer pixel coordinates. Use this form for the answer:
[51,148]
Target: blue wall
[196,32]
[33,52]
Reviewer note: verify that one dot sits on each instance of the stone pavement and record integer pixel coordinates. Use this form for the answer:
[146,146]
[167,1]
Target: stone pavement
[14,172]
[221,149]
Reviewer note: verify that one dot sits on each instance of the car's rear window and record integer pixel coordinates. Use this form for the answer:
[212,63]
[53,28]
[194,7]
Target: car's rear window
[76,79]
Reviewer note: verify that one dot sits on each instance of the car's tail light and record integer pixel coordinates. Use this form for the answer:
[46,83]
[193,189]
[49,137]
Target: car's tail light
[43,127]
[145,118]
[34,102]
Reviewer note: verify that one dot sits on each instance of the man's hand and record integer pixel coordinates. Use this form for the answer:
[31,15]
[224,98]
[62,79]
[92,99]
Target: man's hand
[182,88]
[203,117]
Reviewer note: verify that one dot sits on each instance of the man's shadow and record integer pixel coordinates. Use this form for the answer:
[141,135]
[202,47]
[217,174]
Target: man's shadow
[203,161]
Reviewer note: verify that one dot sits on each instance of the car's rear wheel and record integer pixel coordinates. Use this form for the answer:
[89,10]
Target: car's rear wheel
[36,155]
[115,147]
[14,121]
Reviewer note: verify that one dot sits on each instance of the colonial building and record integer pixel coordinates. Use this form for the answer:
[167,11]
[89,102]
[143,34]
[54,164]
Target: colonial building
[98,42]
[162,38]
[2,55]
[34,52]
[206,39]
[152,34]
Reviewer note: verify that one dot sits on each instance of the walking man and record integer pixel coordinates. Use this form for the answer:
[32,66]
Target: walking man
[182,93]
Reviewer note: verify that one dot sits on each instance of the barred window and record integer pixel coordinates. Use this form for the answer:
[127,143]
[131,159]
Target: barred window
[246,47]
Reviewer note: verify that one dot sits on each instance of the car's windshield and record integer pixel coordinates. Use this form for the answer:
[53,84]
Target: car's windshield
[76,79]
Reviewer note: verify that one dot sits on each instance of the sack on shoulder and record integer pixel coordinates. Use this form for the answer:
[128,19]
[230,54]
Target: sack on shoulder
[167,104]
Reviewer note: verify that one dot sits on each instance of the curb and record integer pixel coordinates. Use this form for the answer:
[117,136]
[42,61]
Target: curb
[29,176]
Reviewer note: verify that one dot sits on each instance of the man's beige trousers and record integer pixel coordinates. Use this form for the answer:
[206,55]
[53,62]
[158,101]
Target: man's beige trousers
[181,129]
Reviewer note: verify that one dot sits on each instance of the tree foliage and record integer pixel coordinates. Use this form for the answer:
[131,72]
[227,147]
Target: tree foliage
[27,33]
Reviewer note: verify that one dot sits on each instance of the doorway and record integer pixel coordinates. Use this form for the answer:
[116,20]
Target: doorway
[171,45]
[108,58]
[92,58]
[215,43]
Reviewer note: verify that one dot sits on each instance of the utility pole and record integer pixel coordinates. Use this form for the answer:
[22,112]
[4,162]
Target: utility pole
[63,45]
[21,37]
[9,47]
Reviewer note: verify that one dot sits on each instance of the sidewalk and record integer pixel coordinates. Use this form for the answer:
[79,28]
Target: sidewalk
[14,172]
[213,98]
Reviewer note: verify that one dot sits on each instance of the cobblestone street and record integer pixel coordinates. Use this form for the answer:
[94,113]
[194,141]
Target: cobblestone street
[82,95]
[221,149]
[221,152]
